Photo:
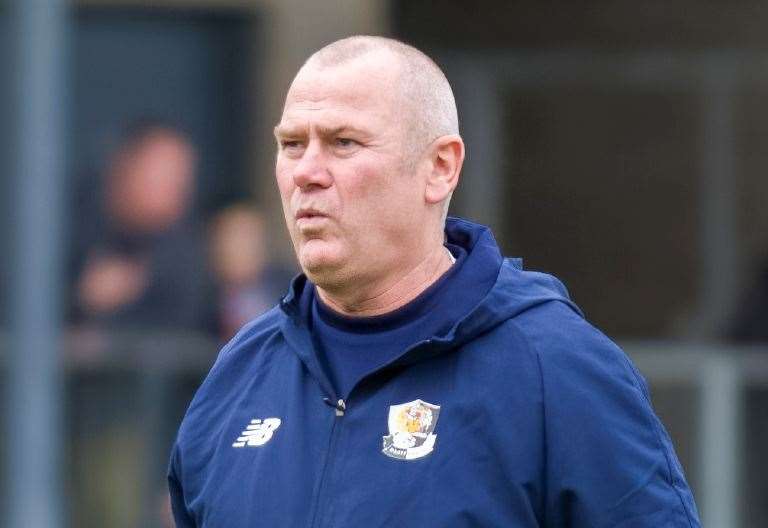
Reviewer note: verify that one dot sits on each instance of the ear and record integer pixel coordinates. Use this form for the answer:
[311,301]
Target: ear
[446,156]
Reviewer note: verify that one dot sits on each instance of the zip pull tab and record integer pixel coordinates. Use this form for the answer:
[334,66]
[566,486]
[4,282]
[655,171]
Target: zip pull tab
[339,406]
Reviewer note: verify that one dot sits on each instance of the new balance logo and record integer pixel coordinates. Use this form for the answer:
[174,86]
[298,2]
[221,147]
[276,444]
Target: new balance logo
[258,433]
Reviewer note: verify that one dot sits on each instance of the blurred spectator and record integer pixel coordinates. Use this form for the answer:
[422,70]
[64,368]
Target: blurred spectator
[247,285]
[140,262]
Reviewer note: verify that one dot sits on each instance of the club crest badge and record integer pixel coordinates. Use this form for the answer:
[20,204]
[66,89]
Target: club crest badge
[411,427]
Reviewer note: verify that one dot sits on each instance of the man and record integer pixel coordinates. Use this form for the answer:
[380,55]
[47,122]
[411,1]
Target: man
[412,376]
[140,262]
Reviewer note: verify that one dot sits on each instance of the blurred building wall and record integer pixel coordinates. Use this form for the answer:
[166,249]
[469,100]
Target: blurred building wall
[631,152]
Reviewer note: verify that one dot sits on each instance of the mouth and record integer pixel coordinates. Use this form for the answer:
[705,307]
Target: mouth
[308,213]
[309,216]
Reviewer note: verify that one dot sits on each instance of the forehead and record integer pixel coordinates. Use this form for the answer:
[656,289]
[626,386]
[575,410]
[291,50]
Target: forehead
[354,93]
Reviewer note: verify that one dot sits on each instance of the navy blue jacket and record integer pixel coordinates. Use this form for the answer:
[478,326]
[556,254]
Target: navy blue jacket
[521,415]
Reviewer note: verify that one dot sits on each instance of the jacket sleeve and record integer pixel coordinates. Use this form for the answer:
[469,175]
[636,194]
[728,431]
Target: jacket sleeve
[609,460]
[181,514]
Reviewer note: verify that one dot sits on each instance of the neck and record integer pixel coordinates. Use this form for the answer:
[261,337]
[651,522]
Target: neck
[397,292]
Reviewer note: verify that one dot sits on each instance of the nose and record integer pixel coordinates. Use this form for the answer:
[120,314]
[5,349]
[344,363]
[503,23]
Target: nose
[312,170]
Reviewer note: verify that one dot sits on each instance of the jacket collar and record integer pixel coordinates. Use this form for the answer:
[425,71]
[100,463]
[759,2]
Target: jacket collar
[513,292]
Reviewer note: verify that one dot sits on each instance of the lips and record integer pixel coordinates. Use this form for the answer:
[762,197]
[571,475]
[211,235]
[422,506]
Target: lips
[309,213]
[309,220]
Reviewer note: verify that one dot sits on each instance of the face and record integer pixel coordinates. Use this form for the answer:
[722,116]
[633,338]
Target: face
[352,198]
[152,184]
[238,246]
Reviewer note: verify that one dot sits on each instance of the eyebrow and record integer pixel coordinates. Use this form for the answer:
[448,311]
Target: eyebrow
[288,131]
[335,131]
[283,130]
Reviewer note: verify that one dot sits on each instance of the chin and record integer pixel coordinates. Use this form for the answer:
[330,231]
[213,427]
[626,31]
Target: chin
[329,279]
[320,264]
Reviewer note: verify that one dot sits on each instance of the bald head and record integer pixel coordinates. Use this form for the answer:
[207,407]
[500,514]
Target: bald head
[425,98]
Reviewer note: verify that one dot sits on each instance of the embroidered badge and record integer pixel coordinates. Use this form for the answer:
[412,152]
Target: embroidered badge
[257,433]
[411,427]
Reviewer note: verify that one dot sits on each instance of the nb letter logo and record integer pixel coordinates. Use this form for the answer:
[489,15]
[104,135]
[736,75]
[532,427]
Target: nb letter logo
[257,433]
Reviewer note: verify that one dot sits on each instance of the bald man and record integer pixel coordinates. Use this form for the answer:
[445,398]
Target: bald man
[412,376]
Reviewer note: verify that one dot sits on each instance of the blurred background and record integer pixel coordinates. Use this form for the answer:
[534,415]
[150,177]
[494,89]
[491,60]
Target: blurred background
[620,145]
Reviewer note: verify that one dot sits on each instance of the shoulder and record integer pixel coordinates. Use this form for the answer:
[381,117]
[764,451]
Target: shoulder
[250,336]
[596,407]
[585,377]
[577,362]
[558,333]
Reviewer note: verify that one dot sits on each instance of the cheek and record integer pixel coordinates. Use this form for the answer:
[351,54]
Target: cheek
[375,206]
[286,188]
[361,203]
[285,185]
[365,186]
[282,176]
[384,193]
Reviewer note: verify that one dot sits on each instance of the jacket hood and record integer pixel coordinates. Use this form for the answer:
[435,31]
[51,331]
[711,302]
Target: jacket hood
[513,292]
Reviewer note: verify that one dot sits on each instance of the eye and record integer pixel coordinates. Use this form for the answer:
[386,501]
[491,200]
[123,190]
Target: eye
[345,142]
[289,144]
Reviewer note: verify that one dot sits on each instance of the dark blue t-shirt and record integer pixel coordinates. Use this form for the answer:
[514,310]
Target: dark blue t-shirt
[350,347]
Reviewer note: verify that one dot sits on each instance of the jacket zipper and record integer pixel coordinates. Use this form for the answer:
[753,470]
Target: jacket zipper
[340,408]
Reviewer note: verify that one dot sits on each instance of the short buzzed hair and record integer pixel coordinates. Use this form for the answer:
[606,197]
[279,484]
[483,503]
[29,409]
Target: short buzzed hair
[425,89]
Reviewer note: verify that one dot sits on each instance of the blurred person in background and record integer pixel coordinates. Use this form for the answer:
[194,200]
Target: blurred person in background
[247,284]
[140,261]
[139,265]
